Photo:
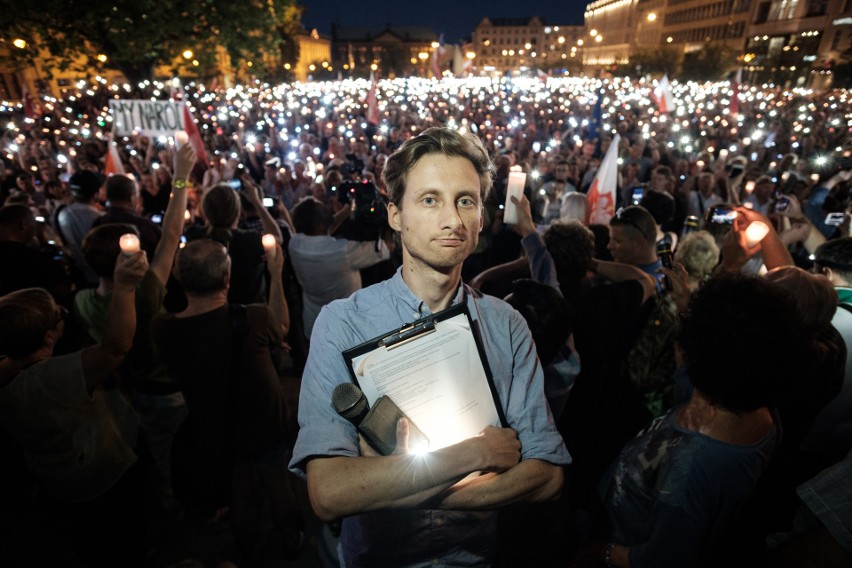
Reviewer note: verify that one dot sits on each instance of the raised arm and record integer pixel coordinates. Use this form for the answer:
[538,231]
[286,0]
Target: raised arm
[173,218]
[99,361]
[255,196]
[620,272]
[277,302]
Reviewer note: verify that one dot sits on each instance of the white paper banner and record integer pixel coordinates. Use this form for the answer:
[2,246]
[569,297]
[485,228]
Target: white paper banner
[146,117]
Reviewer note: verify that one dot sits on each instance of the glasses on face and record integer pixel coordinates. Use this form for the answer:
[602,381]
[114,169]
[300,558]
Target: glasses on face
[622,215]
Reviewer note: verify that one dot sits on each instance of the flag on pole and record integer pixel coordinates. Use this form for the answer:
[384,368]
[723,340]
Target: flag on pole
[602,191]
[372,102]
[663,92]
[458,62]
[29,103]
[112,162]
[597,121]
[734,107]
[437,57]
[194,136]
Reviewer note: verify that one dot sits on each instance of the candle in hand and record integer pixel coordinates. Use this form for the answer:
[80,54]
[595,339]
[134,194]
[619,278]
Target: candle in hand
[129,244]
[269,243]
[515,188]
[755,232]
[181,138]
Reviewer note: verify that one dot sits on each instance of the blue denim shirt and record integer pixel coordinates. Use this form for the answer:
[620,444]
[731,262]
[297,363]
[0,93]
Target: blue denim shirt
[418,536]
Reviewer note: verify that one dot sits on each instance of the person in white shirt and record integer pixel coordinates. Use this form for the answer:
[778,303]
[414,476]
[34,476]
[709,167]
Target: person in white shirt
[327,268]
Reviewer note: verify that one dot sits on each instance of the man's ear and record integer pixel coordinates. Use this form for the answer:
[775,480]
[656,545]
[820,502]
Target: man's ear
[393,217]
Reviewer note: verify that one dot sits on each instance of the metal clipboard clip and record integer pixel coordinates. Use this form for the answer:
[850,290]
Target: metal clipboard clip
[408,333]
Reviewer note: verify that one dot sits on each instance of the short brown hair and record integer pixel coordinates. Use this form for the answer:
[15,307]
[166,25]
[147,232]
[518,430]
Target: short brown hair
[203,267]
[437,140]
[25,316]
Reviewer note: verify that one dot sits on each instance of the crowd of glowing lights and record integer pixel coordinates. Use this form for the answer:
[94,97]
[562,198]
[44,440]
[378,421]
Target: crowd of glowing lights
[536,118]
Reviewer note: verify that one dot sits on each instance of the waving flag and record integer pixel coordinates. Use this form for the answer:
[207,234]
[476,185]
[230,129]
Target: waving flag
[663,92]
[372,103]
[602,191]
[437,57]
[112,161]
[734,108]
[194,136]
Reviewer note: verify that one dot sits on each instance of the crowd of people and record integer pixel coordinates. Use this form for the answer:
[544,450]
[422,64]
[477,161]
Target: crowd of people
[674,374]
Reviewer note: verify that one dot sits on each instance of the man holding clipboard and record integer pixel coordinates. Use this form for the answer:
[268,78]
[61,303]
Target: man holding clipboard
[437,508]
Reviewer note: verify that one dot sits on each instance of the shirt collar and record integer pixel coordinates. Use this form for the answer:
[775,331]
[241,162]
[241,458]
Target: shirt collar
[410,299]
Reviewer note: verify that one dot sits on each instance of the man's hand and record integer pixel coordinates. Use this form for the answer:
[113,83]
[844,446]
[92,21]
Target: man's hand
[275,262]
[525,225]
[184,161]
[402,432]
[251,190]
[129,270]
[500,448]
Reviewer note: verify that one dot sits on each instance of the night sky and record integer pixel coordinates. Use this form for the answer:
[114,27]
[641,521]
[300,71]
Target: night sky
[455,18]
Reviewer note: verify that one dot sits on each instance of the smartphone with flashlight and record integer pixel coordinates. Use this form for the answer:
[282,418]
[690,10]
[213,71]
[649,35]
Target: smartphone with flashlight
[636,195]
[835,218]
[235,184]
[722,215]
[782,203]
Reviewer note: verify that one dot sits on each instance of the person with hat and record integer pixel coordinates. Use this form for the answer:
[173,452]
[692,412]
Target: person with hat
[74,220]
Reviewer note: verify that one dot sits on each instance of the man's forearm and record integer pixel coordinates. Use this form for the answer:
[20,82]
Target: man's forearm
[344,486]
[173,220]
[99,361]
[531,481]
[278,307]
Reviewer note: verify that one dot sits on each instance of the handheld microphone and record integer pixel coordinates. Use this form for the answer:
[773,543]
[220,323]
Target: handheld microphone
[350,403]
[377,424]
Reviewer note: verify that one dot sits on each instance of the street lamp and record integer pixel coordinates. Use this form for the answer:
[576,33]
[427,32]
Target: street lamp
[19,43]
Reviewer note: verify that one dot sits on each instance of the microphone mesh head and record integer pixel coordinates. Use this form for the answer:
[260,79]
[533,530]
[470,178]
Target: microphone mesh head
[348,400]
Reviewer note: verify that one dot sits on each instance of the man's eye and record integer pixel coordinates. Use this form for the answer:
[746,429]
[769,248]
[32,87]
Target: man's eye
[466,202]
[429,201]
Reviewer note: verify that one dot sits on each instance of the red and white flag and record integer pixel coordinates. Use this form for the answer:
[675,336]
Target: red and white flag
[194,136]
[372,102]
[29,103]
[602,191]
[734,107]
[437,57]
[663,93]
[112,161]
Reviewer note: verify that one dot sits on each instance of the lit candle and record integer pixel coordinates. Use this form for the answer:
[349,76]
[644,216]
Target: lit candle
[187,216]
[723,153]
[269,243]
[129,244]
[181,138]
[749,187]
[515,188]
[755,232]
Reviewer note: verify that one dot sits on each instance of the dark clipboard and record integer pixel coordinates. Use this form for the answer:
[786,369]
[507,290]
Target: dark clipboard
[423,327]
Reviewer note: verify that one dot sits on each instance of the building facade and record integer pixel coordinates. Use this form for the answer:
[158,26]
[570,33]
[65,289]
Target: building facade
[790,42]
[395,50]
[503,45]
